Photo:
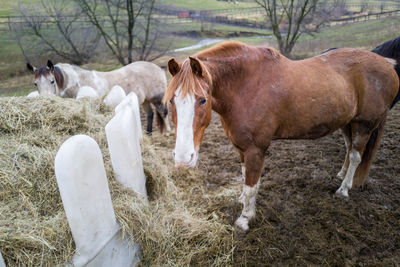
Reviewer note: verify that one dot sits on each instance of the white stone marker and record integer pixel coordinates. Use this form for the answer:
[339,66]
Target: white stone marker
[83,186]
[2,264]
[33,94]
[115,96]
[133,102]
[124,146]
[86,91]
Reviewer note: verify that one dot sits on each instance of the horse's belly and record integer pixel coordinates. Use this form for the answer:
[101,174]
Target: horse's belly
[316,132]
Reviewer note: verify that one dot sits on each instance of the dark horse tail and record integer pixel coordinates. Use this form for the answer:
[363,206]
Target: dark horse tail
[369,155]
[391,49]
[161,111]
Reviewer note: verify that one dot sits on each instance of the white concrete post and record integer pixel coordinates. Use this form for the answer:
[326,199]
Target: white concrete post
[2,264]
[133,102]
[33,94]
[124,147]
[83,186]
[86,91]
[115,96]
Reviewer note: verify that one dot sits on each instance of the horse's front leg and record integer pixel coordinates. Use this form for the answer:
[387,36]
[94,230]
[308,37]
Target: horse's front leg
[346,132]
[243,169]
[254,161]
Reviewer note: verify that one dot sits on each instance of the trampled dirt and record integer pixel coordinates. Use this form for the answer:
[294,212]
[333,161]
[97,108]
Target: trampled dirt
[299,220]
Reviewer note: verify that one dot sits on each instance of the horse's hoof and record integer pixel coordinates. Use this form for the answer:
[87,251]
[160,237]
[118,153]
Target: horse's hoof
[342,193]
[242,225]
[149,133]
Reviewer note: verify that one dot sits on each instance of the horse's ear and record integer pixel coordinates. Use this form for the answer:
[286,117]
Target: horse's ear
[30,67]
[50,65]
[173,67]
[196,66]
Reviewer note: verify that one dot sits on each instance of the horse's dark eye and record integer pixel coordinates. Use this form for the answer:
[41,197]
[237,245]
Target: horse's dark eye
[202,101]
[170,101]
[35,84]
[52,82]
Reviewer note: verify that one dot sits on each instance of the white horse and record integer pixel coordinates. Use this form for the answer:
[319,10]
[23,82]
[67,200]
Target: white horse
[145,79]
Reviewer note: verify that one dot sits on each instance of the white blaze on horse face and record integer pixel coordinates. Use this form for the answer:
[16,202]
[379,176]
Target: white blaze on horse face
[46,85]
[185,154]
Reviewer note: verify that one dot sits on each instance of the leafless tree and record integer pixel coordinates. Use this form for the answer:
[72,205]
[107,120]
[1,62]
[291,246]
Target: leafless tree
[128,27]
[55,25]
[289,19]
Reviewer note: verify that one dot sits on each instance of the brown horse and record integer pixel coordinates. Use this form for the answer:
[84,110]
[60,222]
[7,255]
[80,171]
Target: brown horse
[261,96]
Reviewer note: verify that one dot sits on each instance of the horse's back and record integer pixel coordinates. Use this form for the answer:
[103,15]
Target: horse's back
[313,97]
[373,77]
[146,79]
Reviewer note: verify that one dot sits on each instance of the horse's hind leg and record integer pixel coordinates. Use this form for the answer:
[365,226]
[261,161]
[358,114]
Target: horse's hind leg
[359,138]
[346,132]
[254,161]
[150,114]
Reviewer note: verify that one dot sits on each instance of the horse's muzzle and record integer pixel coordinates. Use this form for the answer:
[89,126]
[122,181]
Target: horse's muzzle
[189,164]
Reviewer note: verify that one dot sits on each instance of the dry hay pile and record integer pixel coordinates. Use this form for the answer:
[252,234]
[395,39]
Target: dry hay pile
[172,230]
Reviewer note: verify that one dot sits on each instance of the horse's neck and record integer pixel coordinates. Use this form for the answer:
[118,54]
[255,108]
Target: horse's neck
[70,88]
[223,87]
[73,79]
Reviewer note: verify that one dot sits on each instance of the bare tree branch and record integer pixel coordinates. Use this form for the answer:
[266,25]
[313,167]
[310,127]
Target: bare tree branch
[289,19]
[52,23]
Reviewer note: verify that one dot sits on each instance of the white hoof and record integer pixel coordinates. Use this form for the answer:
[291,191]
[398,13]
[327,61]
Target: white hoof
[242,224]
[342,192]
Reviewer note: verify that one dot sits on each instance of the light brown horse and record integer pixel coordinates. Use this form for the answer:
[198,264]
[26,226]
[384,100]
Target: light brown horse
[261,95]
[145,79]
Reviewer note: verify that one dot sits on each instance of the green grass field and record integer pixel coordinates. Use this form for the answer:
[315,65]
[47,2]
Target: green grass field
[207,4]
[15,80]
[7,7]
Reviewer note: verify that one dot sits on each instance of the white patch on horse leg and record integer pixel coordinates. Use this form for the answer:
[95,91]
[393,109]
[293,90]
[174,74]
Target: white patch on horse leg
[355,159]
[248,198]
[343,171]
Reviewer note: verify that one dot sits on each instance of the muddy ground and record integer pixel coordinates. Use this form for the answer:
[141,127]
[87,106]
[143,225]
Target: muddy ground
[299,220]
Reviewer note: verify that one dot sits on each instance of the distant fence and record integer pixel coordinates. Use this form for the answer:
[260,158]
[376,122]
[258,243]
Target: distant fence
[233,16]
[366,17]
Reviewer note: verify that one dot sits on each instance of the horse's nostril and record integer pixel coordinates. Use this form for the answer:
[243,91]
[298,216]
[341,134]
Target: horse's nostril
[173,153]
[191,157]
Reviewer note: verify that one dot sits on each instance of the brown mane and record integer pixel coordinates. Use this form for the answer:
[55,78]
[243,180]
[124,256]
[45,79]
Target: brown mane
[227,51]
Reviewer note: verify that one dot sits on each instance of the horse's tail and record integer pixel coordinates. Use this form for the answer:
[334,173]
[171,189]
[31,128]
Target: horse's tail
[369,155]
[161,111]
[160,123]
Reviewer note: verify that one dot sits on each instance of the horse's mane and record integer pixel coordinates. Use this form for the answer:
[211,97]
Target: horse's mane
[389,49]
[189,82]
[192,84]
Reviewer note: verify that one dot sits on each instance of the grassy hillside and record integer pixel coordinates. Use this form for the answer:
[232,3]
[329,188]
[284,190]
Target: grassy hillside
[7,7]
[15,80]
